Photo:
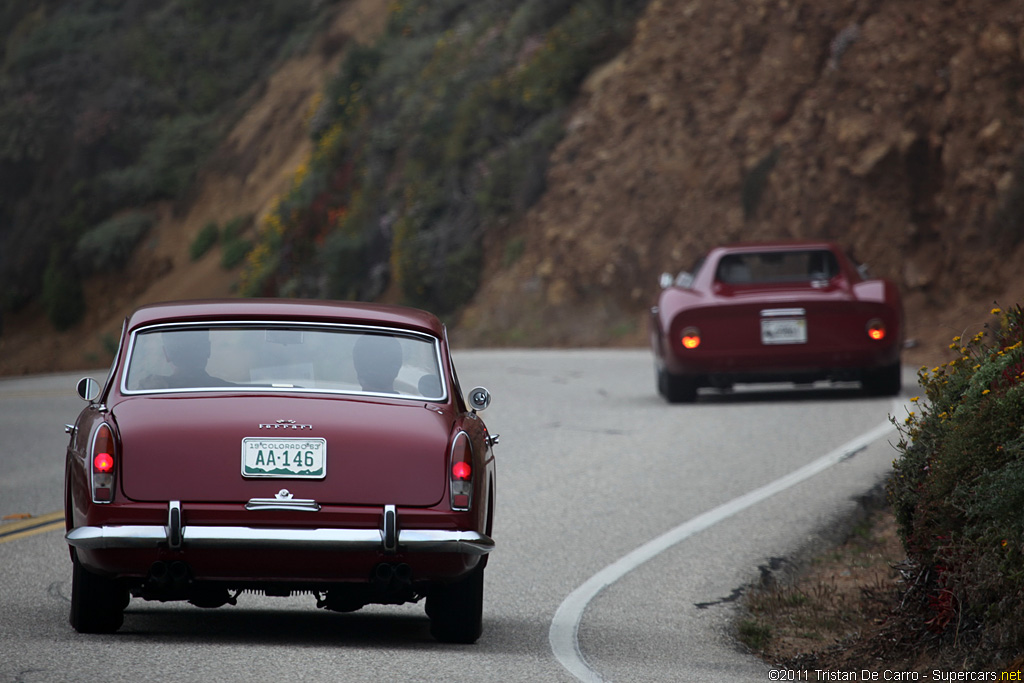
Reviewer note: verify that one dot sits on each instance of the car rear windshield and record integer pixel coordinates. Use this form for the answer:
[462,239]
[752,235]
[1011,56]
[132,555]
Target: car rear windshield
[358,360]
[777,266]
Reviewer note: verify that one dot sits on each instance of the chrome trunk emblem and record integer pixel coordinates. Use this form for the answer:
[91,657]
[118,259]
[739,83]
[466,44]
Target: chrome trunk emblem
[284,424]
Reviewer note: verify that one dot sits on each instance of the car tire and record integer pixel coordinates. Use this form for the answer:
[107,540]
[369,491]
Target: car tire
[97,603]
[456,609]
[887,381]
[676,388]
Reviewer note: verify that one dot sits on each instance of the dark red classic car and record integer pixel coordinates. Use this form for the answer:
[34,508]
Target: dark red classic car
[281,447]
[798,311]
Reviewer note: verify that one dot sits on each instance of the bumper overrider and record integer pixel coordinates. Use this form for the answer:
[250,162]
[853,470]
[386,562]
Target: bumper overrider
[388,539]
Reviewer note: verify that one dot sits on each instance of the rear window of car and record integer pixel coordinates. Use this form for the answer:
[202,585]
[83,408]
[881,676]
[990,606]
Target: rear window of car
[319,358]
[777,267]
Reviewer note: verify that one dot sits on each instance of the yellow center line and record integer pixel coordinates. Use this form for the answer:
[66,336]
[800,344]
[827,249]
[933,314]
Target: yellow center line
[30,527]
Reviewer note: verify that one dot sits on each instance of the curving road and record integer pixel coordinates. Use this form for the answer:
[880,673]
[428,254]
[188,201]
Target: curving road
[626,529]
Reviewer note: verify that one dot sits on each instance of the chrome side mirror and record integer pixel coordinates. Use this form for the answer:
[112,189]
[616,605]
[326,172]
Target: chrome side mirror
[683,280]
[88,389]
[479,399]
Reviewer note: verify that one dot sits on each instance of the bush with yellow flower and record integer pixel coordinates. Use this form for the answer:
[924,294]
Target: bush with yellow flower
[957,488]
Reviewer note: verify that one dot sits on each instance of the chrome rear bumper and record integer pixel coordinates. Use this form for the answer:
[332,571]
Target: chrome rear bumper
[251,538]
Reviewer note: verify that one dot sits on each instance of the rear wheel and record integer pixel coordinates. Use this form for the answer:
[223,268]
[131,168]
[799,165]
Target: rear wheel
[887,381]
[456,609]
[676,388]
[97,603]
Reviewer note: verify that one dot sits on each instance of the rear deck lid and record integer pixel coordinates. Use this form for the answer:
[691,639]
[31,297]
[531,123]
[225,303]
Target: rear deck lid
[233,448]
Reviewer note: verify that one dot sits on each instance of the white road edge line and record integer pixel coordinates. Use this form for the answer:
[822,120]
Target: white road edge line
[564,632]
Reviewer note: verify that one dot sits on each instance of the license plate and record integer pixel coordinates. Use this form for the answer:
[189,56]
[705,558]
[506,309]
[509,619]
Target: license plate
[284,458]
[783,330]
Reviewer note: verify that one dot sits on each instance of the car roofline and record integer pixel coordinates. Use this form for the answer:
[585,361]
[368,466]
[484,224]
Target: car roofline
[286,310]
[743,247]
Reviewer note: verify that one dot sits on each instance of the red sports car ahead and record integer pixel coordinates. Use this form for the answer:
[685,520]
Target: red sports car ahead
[799,312]
[281,446]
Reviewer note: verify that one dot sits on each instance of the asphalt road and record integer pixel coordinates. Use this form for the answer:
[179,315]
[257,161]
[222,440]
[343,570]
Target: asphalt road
[626,528]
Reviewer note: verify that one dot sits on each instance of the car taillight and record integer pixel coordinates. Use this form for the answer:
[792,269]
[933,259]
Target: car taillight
[691,338]
[461,472]
[104,455]
[876,329]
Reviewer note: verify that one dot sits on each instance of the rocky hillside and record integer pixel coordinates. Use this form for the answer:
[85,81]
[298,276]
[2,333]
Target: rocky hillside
[893,128]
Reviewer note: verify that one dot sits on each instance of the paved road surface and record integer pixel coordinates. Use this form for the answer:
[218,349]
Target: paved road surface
[625,528]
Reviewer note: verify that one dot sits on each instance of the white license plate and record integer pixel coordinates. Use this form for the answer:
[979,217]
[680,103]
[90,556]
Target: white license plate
[284,458]
[783,330]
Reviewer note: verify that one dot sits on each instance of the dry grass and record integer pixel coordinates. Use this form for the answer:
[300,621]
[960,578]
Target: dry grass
[844,595]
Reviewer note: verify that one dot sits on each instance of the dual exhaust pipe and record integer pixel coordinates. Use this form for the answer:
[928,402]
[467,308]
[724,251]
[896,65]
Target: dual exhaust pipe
[391,577]
[172,575]
[173,581]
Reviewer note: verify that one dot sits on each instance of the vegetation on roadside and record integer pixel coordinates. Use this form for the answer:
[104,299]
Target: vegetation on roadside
[958,491]
[438,133]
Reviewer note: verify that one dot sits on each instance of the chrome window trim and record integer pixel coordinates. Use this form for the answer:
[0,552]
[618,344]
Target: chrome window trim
[111,379]
[258,324]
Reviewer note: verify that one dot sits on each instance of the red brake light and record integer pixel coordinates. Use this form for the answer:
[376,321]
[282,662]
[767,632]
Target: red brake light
[691,338]
[103,462]
[876,329]
[460,481]
[461,471]
[104,453]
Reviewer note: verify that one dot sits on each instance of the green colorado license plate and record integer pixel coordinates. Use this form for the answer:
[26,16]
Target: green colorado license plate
[284,458]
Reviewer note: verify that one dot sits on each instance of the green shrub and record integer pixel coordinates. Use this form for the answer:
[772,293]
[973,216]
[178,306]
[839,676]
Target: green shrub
[234,251]
[236,226]
[204,239]
[110,244]
[958,485]
[168,162]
